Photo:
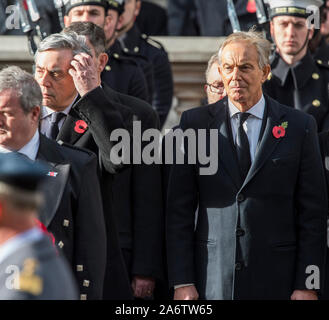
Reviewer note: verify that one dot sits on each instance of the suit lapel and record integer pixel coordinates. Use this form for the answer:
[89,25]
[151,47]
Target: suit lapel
[227,154]
[68,133]
[55,184]
[268,143]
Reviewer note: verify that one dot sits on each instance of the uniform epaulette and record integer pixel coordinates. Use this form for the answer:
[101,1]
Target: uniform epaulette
[151,41]
[322,63]
[67,145]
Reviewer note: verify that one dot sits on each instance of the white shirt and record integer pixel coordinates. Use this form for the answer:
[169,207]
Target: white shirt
[30,149]
[16,242]
[251,126]
[46,117]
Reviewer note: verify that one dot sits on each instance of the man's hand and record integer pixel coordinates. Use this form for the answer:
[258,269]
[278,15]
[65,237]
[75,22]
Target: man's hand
[186,293]
[84,73]
[143,286]
[304,295]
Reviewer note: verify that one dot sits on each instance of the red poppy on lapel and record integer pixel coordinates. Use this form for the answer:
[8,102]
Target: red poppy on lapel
[80,126]
[251,6]
[280,131]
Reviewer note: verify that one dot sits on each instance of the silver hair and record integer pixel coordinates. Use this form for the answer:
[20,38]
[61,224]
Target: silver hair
[262,45]
[24,84]
[67,40]
[213,59]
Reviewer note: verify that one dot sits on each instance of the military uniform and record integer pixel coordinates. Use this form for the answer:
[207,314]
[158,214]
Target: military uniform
[43,274]
[304,86]
[124,75]
[30,266]
[138,59]
[134,41]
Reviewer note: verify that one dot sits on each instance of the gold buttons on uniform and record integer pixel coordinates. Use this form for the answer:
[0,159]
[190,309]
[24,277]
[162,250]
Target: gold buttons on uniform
[61,244]
[83,297]
[108,68]
[86,283]
[319,61]
[115,55]
[315,76]
[79,267]
[316,103]
[136,49]
[126,50]
[66,223]
[269,76]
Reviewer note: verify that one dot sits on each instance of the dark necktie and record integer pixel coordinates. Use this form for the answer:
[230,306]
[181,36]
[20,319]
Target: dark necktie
[242,145]
[297,103]
[53,129]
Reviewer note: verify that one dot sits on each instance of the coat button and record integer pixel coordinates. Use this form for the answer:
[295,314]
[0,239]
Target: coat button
[240,232]
[240,197]
[238,266]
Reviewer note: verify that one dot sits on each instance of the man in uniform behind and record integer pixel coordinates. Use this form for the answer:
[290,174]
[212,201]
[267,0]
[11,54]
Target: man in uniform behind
[297,80]
[30,266]
[122,75]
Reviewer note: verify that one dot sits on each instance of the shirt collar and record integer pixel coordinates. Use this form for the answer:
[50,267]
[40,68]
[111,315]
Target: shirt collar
[30,149]
[257,110]
[46,111]
[14,243]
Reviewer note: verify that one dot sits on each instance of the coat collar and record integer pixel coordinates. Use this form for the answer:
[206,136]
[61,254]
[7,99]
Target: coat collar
[53,187]
[303,70]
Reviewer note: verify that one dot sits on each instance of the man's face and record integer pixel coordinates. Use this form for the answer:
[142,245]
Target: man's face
[56,84]
[16,127]
[95,14]
[111,25]
[214,88]
[290,34]
[132,8]
[241,74]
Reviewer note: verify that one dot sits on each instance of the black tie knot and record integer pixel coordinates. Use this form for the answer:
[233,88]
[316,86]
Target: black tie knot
[242,117]
[56,117]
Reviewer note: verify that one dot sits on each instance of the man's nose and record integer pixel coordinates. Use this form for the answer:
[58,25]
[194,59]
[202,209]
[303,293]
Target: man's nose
[290,30]
[236,73]
[85,17]
[44,80]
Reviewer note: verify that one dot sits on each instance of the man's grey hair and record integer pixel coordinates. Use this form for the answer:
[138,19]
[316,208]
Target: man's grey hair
[60,41]
[257,39]
[213,59]
[27,89]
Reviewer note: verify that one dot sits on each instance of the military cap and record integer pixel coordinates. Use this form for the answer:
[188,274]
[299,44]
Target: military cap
[298,8]
[118,5]
[70,4]
[18,171]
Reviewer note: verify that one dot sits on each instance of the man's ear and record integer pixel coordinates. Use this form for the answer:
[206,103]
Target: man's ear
[35,113]
[103,59]
[266,72]
[67,21]
[138,7]
[311,34]
[119,23]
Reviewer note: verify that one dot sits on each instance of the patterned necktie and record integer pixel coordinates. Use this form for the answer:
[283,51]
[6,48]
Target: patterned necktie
[53,129]
[242,145]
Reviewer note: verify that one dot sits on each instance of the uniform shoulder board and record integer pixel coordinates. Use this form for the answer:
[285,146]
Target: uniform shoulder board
[151,41]
[70,146]
[322,63]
